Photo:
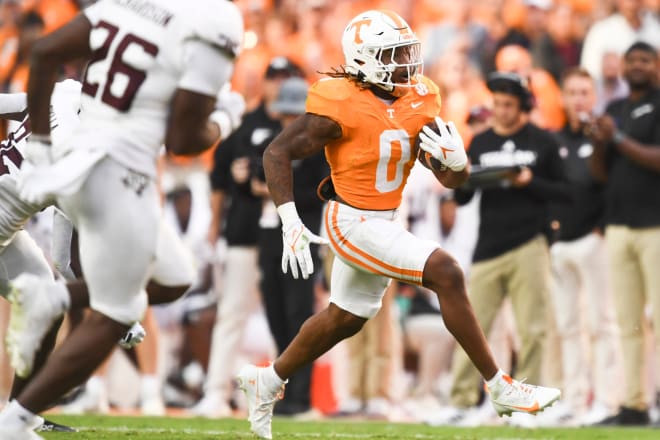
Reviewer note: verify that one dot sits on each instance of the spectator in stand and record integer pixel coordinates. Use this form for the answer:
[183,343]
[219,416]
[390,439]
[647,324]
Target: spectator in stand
[627,157]
[461,88]
[558,49]
[10,12]
[617,32]
[531,27]
[30,28]
[611,86]
[54,13]
[547,112]
[581,294]
[511,257]
[456,32]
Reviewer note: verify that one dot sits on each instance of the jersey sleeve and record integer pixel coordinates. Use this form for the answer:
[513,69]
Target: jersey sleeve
[219,25]
[328,97]
[210,46]
[205,69]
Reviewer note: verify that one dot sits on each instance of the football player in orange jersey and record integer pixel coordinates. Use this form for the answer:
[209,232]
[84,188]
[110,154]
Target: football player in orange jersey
[367,116]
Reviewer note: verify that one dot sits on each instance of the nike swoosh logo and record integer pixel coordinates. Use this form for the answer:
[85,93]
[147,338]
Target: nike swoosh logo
[416,104]
[445,150]
[529,409]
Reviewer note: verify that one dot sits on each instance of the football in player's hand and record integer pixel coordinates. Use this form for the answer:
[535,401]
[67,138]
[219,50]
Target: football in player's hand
[425,158]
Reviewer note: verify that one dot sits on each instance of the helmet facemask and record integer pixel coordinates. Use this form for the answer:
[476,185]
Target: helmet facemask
[397,66]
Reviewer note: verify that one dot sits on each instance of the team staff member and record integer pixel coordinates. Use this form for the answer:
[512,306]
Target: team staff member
[235,213]
[289,302]
[579,260]
[511,255]
[627,157]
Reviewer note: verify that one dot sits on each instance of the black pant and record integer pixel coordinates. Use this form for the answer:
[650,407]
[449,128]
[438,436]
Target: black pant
[288,302]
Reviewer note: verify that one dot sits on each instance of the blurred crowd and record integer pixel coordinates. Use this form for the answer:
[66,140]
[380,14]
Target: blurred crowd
[399,366]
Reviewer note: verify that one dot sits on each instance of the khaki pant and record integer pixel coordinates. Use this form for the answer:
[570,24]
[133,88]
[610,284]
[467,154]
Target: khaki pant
[370,354]
[524,275]
[634,257]
[584,316]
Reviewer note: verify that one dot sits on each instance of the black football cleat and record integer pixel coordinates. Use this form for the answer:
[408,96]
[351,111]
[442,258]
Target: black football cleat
[49,426]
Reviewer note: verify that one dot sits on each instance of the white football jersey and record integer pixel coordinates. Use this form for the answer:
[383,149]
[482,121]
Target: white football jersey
[14,212]
[137,63]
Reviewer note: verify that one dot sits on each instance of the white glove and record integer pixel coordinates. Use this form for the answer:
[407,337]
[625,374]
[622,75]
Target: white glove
[38,151]
[133,336]
[296,239]
[446,146]
[228,113]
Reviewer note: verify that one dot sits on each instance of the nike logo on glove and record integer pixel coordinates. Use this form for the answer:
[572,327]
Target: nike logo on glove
[445,151]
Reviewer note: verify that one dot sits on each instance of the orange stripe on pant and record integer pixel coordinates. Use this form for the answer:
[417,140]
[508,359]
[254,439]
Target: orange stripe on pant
[377,266]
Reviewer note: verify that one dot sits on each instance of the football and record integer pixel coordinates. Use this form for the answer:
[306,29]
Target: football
[425,158]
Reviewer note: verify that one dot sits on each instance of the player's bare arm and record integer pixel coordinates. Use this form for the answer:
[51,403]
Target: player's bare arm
[647,156]
[66,44]
[306,136]
[189,130]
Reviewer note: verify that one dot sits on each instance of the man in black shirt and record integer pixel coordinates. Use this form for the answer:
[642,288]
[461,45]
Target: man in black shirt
[511,256]
[627,156]
[579,260]
[236,211]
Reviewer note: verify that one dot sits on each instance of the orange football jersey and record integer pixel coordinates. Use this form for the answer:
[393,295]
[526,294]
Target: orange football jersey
[371,162]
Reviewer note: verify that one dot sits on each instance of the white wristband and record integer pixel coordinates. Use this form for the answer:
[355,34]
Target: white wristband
[288,213]
[223,120]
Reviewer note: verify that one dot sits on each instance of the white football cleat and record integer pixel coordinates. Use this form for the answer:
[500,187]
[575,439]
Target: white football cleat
[261,399]
[36,304]
[509,395]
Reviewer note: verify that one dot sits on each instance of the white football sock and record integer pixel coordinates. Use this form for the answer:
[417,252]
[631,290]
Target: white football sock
[14,416]
[271,377]
[492,382]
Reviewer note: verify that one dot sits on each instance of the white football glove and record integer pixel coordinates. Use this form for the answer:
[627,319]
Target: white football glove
[133,336]
[446,146]
[38,151]
[228,113]
[296,239]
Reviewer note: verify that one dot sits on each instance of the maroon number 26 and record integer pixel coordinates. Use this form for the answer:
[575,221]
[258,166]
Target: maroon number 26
[135,76]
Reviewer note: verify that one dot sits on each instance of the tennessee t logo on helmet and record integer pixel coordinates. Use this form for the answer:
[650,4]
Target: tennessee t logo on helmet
[357,25]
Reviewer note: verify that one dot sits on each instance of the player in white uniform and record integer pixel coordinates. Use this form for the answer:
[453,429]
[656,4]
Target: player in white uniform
[173,271]
[18,252]
[155,68]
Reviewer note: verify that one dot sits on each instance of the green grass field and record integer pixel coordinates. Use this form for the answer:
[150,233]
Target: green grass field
[128,428]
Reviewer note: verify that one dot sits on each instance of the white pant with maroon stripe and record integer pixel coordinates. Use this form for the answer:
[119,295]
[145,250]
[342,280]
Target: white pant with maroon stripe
[373,247]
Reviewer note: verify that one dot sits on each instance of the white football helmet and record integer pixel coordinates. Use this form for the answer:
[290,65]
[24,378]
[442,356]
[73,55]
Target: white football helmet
[375,44]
